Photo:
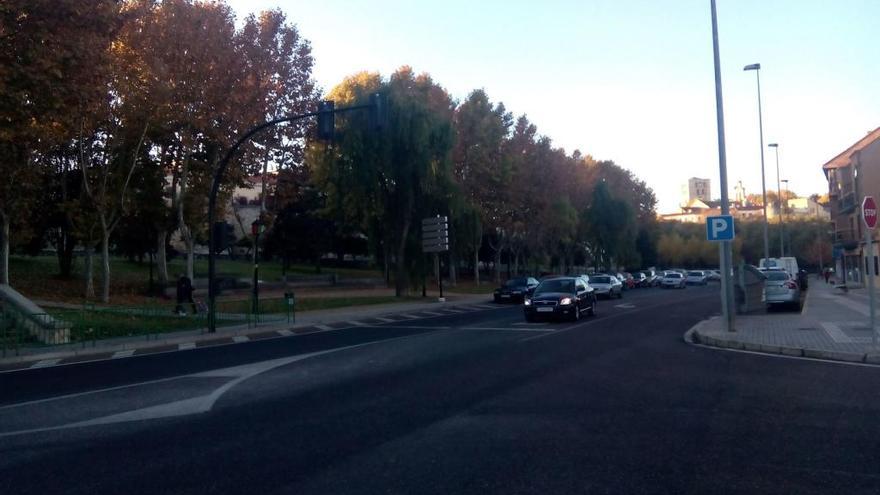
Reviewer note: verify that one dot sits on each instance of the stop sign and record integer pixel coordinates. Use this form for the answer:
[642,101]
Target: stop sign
[869,212]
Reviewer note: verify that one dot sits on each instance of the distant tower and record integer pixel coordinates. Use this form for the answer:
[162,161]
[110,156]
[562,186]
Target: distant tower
[740,193]
[699,189]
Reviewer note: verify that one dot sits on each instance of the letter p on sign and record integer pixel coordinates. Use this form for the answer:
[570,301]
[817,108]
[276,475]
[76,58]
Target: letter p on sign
[719,228]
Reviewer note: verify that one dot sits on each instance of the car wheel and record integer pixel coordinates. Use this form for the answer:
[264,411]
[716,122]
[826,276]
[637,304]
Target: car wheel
[577,313]
[592,310]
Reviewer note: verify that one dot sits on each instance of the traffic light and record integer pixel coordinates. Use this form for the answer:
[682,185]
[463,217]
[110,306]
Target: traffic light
[224,236]
[378,111]
[326,120]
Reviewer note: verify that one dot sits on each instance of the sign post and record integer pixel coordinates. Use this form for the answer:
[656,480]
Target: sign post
[720,229]
[869,216]
[435,239]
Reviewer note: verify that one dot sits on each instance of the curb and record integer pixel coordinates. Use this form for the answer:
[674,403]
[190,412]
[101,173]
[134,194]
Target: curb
[103,349]
[695,337]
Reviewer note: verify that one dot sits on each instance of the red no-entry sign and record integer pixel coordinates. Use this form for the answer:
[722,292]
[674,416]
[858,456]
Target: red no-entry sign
[869,212]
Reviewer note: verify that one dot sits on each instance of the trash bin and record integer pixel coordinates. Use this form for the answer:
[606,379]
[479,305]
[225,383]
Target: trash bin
[748,288]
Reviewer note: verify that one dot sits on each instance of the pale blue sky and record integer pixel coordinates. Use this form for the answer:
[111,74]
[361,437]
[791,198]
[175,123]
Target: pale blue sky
[632,80]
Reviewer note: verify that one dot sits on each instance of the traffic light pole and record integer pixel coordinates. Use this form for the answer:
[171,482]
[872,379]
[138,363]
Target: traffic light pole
[218,179]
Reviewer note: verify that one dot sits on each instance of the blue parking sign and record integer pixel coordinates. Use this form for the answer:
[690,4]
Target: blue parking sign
[719,228]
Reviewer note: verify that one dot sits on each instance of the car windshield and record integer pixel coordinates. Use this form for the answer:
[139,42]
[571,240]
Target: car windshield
[601,280]
[556,285]
[776,275]
[695,274]
[516,282]
[673,275]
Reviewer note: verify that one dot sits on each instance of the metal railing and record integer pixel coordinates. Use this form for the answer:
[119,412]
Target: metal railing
[87,324]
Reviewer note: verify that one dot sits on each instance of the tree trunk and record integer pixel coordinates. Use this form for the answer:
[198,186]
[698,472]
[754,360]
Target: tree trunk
[453,279]
[105,267]
[105,261]
[386,262]
[401,282]
[516,263]
[190,256]
[89,270]
[161,258]
[477,265]
[497,265]
[4,249]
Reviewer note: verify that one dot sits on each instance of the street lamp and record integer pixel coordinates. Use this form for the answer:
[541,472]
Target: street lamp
[779,203]
[782,213]
[757,69]
[257,228]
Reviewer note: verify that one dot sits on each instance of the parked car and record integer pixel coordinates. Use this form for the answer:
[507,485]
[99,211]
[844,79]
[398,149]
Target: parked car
[563,297]
[515,289]
[696,277]
[713,275]
[628,281]
[673,280]
[780,288]
[606,286]
[640,279]
[651,278]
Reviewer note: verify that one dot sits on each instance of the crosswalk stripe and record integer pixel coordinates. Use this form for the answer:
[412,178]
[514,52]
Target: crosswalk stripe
[45,363]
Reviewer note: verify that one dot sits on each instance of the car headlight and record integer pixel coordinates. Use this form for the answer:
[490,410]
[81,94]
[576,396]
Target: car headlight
[527,302]
[565,301]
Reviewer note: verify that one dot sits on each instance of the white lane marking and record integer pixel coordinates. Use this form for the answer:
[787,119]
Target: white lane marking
[531,324]
[485,306]
[594,319]
[357,323]
[123,354]
[455,310]
[411,317]
[625,306]
[186,346]
[284,333]
[324,327]
[240,338]
[385,320]
[509,329]
[195,405]
[835,333]
[45,363]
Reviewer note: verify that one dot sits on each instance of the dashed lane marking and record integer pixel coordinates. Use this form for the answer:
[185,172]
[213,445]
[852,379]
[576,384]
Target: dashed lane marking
[45,363]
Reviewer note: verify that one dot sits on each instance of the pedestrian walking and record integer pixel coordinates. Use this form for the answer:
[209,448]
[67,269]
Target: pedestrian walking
[185,295]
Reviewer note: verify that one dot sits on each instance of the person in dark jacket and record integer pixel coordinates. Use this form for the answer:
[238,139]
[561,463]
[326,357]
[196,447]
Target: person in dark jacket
[185,295]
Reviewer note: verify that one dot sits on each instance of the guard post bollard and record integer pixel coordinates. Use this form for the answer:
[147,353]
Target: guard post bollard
[291,307]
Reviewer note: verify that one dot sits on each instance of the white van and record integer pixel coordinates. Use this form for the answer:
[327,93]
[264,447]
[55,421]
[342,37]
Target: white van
[788,263]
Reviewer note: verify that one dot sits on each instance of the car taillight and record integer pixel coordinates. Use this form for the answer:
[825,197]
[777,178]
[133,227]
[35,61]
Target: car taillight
[791,284]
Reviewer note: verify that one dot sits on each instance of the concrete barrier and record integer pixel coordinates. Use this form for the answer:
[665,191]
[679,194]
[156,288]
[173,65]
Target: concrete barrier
[26,314]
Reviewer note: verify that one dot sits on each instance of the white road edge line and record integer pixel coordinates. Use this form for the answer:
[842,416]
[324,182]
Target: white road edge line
[45,363]
[123,354]
[186,346]
[241,338]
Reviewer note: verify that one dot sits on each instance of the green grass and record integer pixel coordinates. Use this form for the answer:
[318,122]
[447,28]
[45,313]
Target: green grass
[37,277]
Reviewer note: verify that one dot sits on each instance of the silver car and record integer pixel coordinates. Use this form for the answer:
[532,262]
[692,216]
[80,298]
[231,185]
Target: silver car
[606,286]
[673,280]
[696,277]
[780,288]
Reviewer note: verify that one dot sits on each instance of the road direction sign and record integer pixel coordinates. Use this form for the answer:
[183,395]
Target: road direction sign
[719,228]
[869,212]
[435,235]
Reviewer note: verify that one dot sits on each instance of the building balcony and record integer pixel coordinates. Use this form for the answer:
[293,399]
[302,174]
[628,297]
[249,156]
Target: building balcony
[846,204]
[846,238]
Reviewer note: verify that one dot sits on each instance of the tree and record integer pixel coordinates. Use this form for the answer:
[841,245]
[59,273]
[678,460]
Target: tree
[611,227]
[390,178]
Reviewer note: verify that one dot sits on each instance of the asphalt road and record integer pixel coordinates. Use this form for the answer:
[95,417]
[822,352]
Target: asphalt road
[477,402]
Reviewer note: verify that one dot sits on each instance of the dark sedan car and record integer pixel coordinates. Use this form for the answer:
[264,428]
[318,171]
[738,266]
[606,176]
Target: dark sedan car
[515,289]
[563,297]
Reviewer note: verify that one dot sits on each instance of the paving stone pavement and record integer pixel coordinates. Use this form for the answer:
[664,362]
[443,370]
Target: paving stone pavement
[833,325]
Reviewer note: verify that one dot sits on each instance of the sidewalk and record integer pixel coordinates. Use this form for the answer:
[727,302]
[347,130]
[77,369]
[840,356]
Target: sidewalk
[833,325]
[306,322]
